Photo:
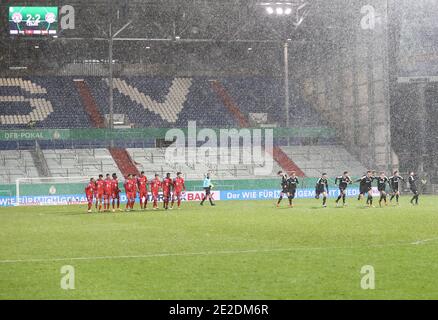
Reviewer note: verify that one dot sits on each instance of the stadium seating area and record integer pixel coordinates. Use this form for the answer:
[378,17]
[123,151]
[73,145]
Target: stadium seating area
[161,102]
[153,160]
[266,95]
[16,164]
[50,102]
[80,162]
[54,102]
[92,162]
[314,160]
[61,163]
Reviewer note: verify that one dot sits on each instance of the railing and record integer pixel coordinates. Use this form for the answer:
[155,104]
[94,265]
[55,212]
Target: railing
[42,159]
[97,165]
[190,165]
[19,159]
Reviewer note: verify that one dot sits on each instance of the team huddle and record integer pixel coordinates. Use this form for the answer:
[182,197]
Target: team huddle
[289,186]
[106,192]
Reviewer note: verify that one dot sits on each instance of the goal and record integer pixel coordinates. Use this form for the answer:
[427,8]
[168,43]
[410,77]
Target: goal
[50,191]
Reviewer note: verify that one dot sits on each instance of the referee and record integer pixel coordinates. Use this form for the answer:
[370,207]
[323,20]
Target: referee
[207,188]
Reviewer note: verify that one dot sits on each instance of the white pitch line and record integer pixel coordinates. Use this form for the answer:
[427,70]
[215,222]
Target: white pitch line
[206,253]
[424,241]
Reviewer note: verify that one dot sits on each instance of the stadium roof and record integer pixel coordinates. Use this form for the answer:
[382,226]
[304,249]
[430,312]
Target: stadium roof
[201,28]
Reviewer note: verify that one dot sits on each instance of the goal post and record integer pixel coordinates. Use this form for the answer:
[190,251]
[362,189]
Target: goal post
[50,191]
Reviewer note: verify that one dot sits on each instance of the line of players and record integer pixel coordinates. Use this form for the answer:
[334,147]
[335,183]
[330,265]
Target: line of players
[290,183]
[106,192]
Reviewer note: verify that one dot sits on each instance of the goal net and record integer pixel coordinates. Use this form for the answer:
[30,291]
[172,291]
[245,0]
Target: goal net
[50,191]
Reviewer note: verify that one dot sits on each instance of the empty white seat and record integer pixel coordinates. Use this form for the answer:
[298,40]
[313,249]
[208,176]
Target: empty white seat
[333,160]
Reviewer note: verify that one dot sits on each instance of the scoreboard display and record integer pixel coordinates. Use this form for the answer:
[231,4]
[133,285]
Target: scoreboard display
[29,21]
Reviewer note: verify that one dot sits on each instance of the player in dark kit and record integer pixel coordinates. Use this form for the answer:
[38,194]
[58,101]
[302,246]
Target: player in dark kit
[292,184]
[382,181]
[365,187]
[344,181]
[284,186]
[413,186]
[322,188]
[394,183]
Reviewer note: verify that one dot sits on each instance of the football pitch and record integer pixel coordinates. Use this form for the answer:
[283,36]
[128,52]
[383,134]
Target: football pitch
[236,250]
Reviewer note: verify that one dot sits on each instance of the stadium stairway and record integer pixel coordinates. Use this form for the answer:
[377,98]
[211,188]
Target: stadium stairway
[124,161]
[220,90]
[40,161]
[90,105]
[121,157]
[285,162]
[279,156]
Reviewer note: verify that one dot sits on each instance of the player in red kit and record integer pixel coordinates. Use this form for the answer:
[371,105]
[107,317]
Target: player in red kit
[115,192]
[134,190]
[95,194]
[90,190]
[155,189]
[131,190]
[142,183]
[107,193]
[167,186]
[100,190]
[126,186]
[128,191]
[178,188]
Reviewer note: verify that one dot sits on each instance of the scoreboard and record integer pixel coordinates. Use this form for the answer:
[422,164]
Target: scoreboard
[28,21]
